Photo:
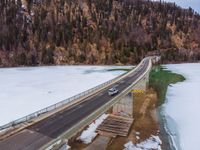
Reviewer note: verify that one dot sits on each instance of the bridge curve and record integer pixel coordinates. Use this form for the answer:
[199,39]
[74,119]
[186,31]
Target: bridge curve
[67,122]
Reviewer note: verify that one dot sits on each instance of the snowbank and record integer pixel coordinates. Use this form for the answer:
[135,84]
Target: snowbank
[153,142]
[89,134]
[26,90]
[182,107]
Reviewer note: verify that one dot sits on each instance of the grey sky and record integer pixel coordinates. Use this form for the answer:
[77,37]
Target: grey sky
[195,4]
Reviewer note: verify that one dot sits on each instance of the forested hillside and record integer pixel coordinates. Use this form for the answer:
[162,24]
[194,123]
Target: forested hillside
[41,32]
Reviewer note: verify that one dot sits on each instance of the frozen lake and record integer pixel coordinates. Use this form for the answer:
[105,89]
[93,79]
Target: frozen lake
[183,107]
[26,90]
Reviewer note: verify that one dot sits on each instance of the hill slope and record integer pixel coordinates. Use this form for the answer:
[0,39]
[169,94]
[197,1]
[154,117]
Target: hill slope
[95,32]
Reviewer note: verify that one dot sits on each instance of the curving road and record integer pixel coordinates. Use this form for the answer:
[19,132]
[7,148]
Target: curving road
[44,131]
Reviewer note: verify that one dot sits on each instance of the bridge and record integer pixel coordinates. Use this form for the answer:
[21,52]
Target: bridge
[54,125]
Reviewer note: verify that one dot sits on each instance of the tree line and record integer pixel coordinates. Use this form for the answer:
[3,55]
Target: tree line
[95,32]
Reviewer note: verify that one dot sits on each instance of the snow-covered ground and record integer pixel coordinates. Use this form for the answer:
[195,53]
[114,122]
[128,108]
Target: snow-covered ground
[26,90]
[152,143]
[89,134]
[183,107]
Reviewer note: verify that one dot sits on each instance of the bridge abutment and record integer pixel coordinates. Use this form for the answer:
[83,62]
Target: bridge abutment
[124,107]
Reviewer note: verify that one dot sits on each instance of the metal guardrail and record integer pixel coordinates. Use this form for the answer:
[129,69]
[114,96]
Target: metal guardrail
[64,102]
[54,106]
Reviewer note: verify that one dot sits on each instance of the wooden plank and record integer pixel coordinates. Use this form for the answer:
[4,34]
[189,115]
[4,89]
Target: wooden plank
[120,121]
[117,133]
[111,126]
[114,116]
[105,128]
[115,125]
[117,122]
[108,134]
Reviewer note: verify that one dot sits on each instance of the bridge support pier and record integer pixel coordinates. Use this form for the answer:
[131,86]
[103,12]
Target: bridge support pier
[143,84]
[124,107]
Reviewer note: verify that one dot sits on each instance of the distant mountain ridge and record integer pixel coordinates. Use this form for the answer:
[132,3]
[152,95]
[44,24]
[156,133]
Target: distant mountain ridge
[43,32]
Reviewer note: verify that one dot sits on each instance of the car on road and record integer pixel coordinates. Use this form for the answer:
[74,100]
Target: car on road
[112,91]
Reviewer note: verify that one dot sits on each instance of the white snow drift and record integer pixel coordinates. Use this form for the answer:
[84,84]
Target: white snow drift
[26,90]
[153,143]
[183,107]
[89,134]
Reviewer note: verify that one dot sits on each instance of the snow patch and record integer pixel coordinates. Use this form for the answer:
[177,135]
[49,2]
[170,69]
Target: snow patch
[65,147]
[137,133]
[153,142]
[137,137]
[89,134]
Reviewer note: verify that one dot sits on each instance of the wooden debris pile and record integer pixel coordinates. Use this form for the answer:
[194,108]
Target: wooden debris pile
[114,126]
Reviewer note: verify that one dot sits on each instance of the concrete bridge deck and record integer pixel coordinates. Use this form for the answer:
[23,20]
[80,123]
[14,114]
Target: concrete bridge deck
[52,128]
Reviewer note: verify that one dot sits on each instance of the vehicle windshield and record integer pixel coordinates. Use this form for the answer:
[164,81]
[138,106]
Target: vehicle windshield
[112,89]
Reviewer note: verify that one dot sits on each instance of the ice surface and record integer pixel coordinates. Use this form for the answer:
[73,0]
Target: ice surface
[26,90]
[183,105]
[153,142]
[89,134]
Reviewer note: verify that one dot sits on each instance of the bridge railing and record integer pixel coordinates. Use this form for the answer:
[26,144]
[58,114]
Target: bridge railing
[31,116]
[54,106]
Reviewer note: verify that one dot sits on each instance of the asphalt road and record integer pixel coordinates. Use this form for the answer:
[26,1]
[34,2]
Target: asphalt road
[34,137]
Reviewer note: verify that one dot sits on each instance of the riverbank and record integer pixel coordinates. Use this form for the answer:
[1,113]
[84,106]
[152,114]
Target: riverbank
[160,79]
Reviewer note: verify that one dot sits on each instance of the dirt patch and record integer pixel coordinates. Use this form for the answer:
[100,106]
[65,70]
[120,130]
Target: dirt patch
[145,120]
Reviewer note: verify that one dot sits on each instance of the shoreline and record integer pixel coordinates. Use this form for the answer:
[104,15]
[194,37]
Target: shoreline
[166,136]
[160,80]
[82,64]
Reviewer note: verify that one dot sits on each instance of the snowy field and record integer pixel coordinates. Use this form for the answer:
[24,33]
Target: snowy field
[26,90]
[183,107]
[152,143]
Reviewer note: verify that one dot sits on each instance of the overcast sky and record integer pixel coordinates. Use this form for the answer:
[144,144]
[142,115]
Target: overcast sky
[195,4]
